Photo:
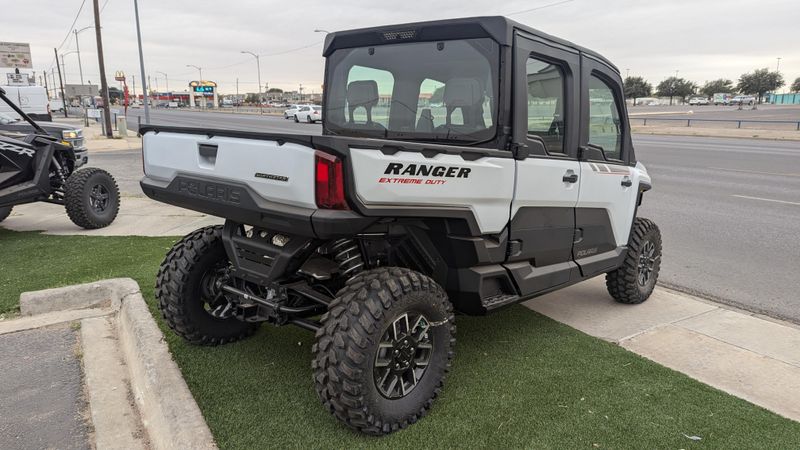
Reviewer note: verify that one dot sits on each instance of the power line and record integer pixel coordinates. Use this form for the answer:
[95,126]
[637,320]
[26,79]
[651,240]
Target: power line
[538,8]
[72,27]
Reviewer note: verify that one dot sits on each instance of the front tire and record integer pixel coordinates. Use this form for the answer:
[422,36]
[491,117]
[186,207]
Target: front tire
[296,120]
[635,279]
[91,198]
[384,349]
[5,212]
[186,295]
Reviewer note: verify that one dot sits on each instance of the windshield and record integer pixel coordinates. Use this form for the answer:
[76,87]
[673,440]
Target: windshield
[433,91]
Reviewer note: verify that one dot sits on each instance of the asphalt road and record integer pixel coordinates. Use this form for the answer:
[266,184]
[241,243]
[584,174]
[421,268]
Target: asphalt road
[729,209]
[42,404]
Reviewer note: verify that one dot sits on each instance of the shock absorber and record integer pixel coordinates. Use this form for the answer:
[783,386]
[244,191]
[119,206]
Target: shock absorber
[347,254]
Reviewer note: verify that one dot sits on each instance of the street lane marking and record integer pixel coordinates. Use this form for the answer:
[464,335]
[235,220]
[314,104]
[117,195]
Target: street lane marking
[757,172]
[766,199]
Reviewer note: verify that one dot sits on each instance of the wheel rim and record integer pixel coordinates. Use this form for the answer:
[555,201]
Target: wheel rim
[99,198]
[403,355]
[214,301]
[647,263]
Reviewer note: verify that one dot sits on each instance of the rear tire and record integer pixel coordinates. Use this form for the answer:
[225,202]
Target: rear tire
[384,349]
[308,119]
[5,212]
[635,279]
[91,197]
[296,120]
[181,290]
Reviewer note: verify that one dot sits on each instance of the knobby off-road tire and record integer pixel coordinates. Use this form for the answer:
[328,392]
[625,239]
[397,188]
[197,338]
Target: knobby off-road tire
[180,290]
[91,198]
[635,279]
[350,342]
[5,212]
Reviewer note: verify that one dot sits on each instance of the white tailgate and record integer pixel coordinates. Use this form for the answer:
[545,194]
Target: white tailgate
[169,154]
[487,190]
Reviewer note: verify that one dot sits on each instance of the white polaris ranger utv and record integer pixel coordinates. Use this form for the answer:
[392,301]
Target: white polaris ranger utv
[464,165]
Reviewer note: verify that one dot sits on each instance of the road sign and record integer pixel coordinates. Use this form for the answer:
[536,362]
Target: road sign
[93,113]
[15,55]
[20,79]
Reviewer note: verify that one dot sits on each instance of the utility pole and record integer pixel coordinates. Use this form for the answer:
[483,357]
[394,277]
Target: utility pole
[61,82]
[101,62]
[141,62]
[778,66]
[237,89]
[63,66]
[133,85]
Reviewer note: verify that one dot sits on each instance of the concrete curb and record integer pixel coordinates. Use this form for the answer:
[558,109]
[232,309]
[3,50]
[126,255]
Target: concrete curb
[169,414]
[101,294]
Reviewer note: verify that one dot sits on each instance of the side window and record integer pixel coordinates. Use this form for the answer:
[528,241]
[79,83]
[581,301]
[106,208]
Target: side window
[546,103]
[384,81]
[605,128]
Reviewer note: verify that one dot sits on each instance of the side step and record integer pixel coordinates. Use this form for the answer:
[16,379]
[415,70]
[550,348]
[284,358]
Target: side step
[498,301]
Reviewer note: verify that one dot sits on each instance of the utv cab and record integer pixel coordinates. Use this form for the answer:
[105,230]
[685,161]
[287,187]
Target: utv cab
[464,165]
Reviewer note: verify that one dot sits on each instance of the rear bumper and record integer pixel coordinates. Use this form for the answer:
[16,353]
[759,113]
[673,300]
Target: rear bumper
[239,203]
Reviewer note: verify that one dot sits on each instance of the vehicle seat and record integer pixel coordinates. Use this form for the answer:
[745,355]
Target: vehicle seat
[464,94]
[362,94]
[425,121]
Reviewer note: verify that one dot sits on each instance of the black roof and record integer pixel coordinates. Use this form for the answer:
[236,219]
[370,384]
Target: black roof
[499,28]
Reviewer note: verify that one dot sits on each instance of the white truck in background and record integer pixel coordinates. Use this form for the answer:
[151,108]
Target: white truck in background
[721,99]
[31,99]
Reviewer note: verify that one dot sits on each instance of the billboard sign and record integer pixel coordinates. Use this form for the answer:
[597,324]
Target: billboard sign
[15,55]
[81,90]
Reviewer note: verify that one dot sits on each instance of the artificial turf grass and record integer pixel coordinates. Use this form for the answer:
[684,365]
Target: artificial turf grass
[519,379]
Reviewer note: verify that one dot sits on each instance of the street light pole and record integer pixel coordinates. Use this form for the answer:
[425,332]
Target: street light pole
[200,69]
[166,80]
[78,48]
[258,66]
[141,63]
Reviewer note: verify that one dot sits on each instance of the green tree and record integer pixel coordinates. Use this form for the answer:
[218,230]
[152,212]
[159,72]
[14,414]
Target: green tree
[251,98]
[796,85]
[721,86]
[675,87]
[275,91]
[759,82]
[636,87]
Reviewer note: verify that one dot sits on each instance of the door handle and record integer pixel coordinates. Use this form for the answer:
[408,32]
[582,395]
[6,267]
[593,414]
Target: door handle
[627,182]
[570,178]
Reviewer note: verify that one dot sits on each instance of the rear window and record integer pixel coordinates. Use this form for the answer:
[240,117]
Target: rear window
[432,91]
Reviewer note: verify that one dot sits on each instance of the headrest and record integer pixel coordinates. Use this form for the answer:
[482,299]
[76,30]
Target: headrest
[362,93]
[462,92]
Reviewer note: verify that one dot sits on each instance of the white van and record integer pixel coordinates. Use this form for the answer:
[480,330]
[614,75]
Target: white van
[31,99]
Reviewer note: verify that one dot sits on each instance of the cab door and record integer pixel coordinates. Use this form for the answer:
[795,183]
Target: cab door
[545,110]
[609,183]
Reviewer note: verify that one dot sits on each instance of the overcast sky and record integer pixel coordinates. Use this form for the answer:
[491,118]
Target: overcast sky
[703,39]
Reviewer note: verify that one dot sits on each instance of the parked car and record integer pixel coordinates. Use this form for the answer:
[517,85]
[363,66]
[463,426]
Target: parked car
[308,113]
[743,100]
[289,113]
[697,101]
[61,131]
[721,98]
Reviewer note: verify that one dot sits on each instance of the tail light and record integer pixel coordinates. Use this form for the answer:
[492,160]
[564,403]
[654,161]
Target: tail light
[329,182]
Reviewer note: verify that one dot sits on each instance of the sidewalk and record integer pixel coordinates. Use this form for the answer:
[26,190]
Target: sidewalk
[138,216]
[751,357]
[94,139]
